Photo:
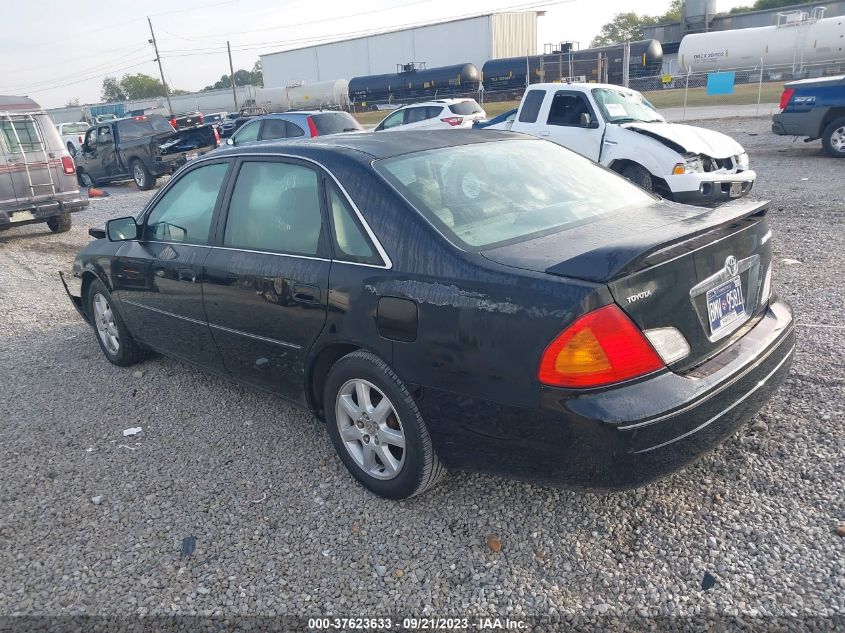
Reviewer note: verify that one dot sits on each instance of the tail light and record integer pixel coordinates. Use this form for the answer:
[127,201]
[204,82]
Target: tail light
[600,348]
[81,140]
[311,127]
[453,120]
[173,122]
[202,118]
[785,96]
[68,166]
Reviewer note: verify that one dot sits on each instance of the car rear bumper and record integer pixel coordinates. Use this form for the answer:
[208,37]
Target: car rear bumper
[623,437]
[707,188]
[798,123]
[35,212]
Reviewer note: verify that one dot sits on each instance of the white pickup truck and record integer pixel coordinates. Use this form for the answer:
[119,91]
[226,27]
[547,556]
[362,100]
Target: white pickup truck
[618,128]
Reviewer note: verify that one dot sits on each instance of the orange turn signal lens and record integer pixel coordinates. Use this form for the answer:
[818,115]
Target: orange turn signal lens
[679,169]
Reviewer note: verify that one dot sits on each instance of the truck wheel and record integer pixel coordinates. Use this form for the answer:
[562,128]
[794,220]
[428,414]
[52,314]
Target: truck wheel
[60,223]
[833,138]
[142,176]
[640,176]
[71,149]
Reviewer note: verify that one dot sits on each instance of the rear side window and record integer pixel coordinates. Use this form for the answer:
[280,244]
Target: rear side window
[465,108]
[132,129]
[274,128]
[415,115]
[350,242]
[21,135]
[335,122]
[566,109]
[531,106]
[275,207]
[183,214]
[433,111]
[293,130]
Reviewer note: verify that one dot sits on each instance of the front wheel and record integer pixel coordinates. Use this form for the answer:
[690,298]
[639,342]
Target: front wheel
[833,138]
[640,176]
[377,429]
[117,344]
[142,176]
[60,223]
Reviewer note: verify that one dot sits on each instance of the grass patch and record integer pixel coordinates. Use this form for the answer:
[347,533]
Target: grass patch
[744,94]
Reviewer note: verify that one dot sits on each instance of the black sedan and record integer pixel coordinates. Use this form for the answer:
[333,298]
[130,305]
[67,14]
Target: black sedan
[470,300]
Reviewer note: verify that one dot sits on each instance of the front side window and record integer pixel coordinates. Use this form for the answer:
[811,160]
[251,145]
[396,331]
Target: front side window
[275,207]
[21,135]
[531,106]
[184,212]
[566,109]
[393,120]
[248,133]
[486,194]
[104,135]
[350,242]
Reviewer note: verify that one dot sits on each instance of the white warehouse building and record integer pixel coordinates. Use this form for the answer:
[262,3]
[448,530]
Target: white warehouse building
[473,40]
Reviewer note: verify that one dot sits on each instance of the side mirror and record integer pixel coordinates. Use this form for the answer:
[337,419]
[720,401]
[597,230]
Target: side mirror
[230,141]
[122,229]
[586,119]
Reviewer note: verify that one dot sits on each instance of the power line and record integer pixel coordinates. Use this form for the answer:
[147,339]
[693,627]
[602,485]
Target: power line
[73,83]
[101,69]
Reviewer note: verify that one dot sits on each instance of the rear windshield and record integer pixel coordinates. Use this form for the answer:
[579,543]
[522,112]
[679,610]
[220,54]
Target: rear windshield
[74,128]
[21,135]
[212,118]
[335,122]
[131,129]
[465,108]
[485,194]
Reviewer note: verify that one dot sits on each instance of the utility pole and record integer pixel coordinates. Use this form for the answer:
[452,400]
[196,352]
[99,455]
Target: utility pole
[232,71]
[160,69]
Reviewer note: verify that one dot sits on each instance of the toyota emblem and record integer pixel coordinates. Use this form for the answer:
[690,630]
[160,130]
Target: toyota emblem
[731,267]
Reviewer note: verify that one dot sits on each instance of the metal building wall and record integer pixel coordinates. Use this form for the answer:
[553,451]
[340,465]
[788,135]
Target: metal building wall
[472,40]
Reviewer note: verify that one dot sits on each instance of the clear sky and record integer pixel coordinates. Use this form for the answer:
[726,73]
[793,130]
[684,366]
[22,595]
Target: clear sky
[55,50]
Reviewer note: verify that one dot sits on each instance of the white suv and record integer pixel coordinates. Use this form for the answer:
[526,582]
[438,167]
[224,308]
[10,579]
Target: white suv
[431,115]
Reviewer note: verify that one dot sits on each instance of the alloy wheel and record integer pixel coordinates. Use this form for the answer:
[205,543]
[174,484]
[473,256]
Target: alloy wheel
[837,139]
[138,173]
[370,429]
[105,324]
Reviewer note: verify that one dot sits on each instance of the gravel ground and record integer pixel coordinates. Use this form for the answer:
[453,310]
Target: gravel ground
[281,528]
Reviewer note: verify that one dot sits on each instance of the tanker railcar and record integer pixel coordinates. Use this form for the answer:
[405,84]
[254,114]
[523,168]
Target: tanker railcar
[509,74]
[430,83]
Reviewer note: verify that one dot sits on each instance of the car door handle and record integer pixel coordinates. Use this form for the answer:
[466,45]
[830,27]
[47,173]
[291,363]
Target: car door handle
[187,275]
[306,293]
[544,132]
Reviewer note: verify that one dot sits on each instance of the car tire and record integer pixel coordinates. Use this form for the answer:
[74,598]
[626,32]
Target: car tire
[640,176]
[71,149]
[385,446]
[833,138]
[111,333]
[142,176]
[60,223]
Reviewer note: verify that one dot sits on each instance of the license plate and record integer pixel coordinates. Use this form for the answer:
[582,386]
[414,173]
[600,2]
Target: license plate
[21,216]
[725,305]
[736,189]
[194,156]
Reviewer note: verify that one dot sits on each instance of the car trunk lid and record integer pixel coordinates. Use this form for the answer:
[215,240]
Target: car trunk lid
[702,271]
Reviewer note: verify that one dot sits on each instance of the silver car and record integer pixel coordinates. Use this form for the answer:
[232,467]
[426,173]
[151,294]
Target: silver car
[37,174]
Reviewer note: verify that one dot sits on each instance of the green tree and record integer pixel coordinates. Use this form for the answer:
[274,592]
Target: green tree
[628,26]
[112,91]
[243,77]
[763,4]
[72,103]
[141,86]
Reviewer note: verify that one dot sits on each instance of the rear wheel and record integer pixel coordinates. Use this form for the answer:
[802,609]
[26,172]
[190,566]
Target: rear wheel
[833,138]
[60,223]
[640,176]
[83,179]
[376,428]
[142,176]
[112,335]
[71,149]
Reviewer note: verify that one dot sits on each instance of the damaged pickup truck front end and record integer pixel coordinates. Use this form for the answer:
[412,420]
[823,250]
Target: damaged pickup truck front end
[691,165]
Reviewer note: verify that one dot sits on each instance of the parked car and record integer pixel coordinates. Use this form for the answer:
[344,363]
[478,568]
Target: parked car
[246,114]
[620,129]
[501,122]
[473,300]
[307,124]
[227,126]
[140,149]
[432,115]
[73,134]
[187,120]
[37,174]
[815,109]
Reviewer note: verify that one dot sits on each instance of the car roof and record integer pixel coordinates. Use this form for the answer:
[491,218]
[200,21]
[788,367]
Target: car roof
[440,102]
[370,146]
